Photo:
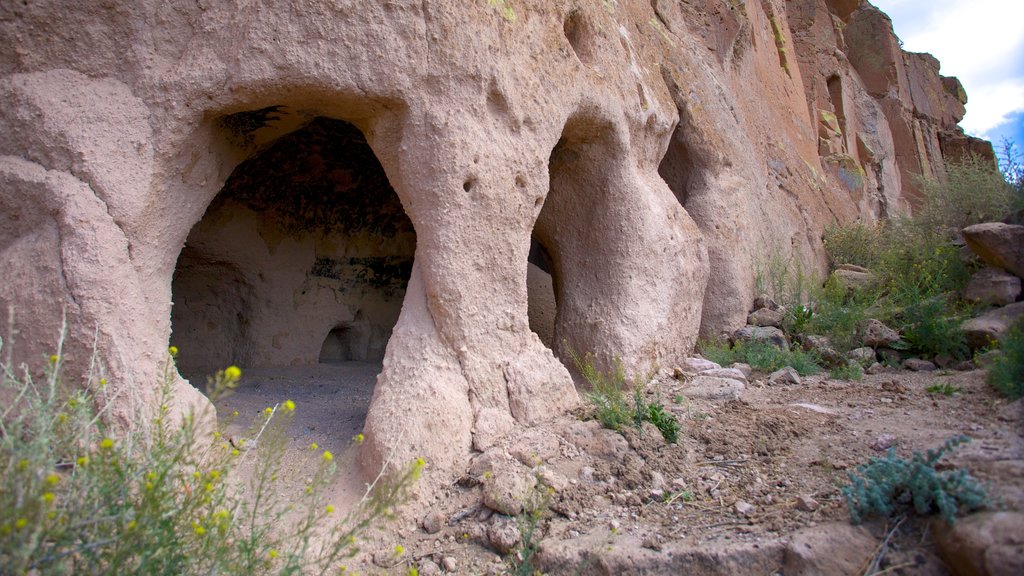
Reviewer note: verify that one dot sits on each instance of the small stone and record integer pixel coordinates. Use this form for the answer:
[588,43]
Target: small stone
[865,355]
[433,522]
[743,508]
[765,301]
[657,494]
[429,568]
[506,488]
[918,365]
[784,377]
[884,442]
[875,368]
[964,366]
[657,480]
[853,277]
[503,534]
[449,564]
[586,474]
[806,504]
[714,388]
[697,365]
[745,369]
[615,524]
[766,317]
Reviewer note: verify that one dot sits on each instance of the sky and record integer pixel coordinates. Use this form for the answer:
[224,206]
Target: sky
[981,42]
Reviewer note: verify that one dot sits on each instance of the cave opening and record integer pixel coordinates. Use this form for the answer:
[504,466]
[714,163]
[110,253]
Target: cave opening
[298,269]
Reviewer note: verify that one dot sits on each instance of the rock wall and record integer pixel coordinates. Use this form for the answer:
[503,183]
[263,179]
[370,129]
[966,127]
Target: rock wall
[654,151]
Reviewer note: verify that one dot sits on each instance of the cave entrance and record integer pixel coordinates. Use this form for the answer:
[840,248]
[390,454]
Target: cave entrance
[298,269]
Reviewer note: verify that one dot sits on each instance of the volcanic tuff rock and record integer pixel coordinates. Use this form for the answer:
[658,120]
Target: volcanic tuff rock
[650,152]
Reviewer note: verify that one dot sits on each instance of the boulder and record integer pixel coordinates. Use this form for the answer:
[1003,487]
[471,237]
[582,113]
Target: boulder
[873,333]
[822,347]
[865,356]
[784,377]
[714,388]
[998,244]
[854,279]
[769,334]
[992,286]
[734,373]
[919,365]
[991,325]
[766,317]
[507,487]
[987,543]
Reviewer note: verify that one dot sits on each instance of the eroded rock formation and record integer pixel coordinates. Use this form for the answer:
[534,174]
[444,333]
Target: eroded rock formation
[648,154]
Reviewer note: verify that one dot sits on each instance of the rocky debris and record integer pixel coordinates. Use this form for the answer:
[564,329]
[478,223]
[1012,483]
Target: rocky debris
[992,286]
[919,365]
[998,244]
[449,563]
[883,442]
[428,567]
[853,277]
[768,334]
[503,534]
[784,377]
[874,334]
[534,446]
[714,388]
[864,356]
[433,522]
[833,548]
[990,326]
[766,317]
[987,543]
[822,347]
[506,487]
[733,373]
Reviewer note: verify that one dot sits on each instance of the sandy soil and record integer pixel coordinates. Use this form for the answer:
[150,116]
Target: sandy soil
[744,472]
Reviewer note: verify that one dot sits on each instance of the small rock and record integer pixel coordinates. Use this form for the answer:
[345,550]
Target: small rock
[744,368]
[449,563]
[506,488]
[853,277]
[784,376]
[822,346]
[765,301]
[766,317]
[873,333]
[864,356]
[964,366]
[657,480]
[944,361]
[433,522]
[918,365]
[806,504]
[429,568]
[884,442]
[697,365]
[657,494]
[586,474]
[743,508]
[552,479]
[503,534]
[875,368]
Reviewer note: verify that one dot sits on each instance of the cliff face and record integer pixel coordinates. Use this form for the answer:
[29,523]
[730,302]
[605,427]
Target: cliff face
[642,156]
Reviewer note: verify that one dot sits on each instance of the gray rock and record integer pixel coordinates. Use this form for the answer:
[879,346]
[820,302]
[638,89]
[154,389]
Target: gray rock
[769,334]
[806,503]
[714,388]
[429,568]
[998,244]
[784,376]
[744,368]
[697,365]
[743,508]
[875,368]
[993,286]
[507,487]
[822,346]
[853,279]
[873,333]
[766,317]
[535,446]
[765,301]
[449,563]
[599,442]
[884,442]
[433,522]
[991,326]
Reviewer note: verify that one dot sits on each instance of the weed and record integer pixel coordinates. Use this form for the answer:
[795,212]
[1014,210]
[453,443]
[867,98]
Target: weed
[761,355]
[858,244]
[974,191]
[848,371]
[608,394]
[887,484]
[945,389]
[163,497]
[1006,373]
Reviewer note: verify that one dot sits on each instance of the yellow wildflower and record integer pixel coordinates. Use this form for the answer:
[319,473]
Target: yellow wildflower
[52,479]
[313,446]
[232,373]
[358,439]
[330,509]
[272,554]
[48,497]
[21,523]
[289,406]
[399,549]
[173,351]
[268,410]
[82,461]
[328,456]
[106,444]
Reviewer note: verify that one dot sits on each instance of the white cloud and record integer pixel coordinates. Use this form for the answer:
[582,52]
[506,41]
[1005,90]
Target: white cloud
[979,41]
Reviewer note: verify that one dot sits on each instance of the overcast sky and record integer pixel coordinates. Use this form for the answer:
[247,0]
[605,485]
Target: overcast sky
[981,42]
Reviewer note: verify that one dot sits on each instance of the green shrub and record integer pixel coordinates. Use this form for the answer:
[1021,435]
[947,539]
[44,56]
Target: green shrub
[848,371]
[858,244]
[927,326]
[162,498]
[1007,372]
[973,191]
[839,313]
[888,484]
[761,355]
[609,395]
[945,389]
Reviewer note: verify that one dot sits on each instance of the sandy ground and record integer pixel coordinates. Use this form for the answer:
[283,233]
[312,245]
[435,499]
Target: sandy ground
[772,448]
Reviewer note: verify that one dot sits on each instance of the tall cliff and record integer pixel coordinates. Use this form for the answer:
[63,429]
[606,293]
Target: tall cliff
[643,155]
